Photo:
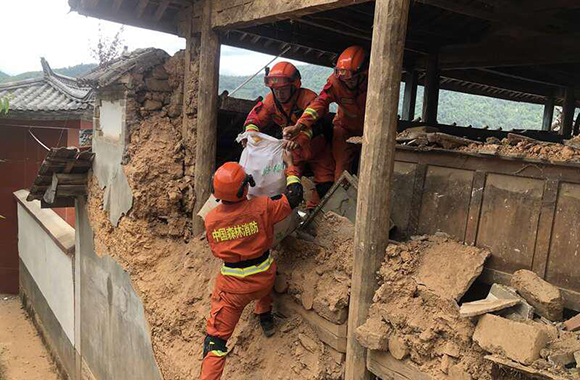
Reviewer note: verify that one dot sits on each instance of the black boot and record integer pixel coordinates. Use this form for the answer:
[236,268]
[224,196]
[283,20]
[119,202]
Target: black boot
[267,323]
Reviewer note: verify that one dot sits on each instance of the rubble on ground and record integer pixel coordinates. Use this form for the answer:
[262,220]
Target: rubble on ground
[543,296]
[515,146]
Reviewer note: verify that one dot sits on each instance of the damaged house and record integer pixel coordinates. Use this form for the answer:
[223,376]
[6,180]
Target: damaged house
[476,276]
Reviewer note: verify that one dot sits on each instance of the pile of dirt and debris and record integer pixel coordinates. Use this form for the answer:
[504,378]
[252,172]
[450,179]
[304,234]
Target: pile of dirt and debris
[318,273]
[514,145]
[416,312]
[415,316]
[172,271]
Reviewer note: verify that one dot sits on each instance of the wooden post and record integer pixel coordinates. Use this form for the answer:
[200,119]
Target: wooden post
[568,112]
[410,96]
[207,114]
[192,45]
[377,162]
[431,94]
[548,113]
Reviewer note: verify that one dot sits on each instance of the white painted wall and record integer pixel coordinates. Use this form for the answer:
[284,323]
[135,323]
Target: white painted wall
[51,268]
[111,118]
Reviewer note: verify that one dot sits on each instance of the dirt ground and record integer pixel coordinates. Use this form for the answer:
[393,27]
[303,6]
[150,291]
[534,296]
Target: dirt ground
[22,354]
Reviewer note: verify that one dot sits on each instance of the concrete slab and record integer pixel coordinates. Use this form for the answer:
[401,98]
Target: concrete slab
[523,309]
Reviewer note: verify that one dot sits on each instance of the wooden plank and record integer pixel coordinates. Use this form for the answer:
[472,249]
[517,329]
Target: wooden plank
[58,203]
[445,201]
[541,252]
[161,10]
[377,161]
[402,196]
[509,220]
[242,14]
[568,112]
[548,118]
[328,332]
[538,374]
[564,259]
[385,366]
[410,95]
[431,93]
[117,5]
[141,8]
[418,186]
[474,213]
[207,114]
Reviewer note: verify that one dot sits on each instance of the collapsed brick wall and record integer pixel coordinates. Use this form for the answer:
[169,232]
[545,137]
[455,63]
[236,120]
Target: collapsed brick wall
[171,270]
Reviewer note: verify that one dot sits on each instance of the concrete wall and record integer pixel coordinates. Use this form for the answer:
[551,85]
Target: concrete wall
[46,250]
[109,146]
[114,333]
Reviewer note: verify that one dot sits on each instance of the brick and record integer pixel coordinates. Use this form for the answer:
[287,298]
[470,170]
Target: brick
[517,341]
[523,308]
[545,297]
[472,309]
[573,324]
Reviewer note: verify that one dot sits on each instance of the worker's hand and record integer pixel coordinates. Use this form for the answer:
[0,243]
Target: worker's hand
[292,131]
[244,142]
[287,158]
[289,145]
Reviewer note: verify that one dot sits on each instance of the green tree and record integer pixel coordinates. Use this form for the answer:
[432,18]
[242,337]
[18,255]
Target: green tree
[4,104]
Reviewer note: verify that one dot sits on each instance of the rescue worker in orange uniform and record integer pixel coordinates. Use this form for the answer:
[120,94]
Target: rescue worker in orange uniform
[240,232]
[283,106]
[347,87]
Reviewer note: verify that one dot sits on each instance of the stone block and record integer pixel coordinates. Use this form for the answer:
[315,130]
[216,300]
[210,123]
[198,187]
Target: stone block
[545,297]
[398,348]
[517,341]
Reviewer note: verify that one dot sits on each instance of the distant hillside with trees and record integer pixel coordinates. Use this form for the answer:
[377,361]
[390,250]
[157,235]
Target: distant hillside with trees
[71,71]
[454,107]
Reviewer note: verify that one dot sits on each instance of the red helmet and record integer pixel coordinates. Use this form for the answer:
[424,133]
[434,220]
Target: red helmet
[230,182]
[283,74]
[353,61]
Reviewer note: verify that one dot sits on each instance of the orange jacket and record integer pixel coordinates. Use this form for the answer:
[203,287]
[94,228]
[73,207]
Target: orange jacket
[244,231]
[282,115]
[351,105]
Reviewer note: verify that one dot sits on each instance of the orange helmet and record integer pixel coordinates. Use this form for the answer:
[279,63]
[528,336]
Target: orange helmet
[283,74]
[354,60]
[230,182]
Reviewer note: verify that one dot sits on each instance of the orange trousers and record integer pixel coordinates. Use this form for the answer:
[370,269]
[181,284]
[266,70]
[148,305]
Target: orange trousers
[343,152]
[319,158]
[226,309]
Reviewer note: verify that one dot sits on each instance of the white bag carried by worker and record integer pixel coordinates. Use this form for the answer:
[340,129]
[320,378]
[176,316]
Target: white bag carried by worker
[262,159]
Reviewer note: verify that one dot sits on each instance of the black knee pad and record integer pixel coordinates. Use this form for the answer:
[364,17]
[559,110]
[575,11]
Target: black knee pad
[213,343]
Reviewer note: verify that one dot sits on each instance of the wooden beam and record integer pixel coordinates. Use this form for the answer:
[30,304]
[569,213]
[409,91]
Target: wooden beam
[117,5]
[431,93]
[141,8]
[235,14]
[161,10]
[548,114]
[207,113]
[498,52]
[377,162]
[541,23]
[552,5]
[568,112]
[410,95]
[50,193]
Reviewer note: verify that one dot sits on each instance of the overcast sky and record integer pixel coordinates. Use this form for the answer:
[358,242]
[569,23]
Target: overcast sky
[30,29]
